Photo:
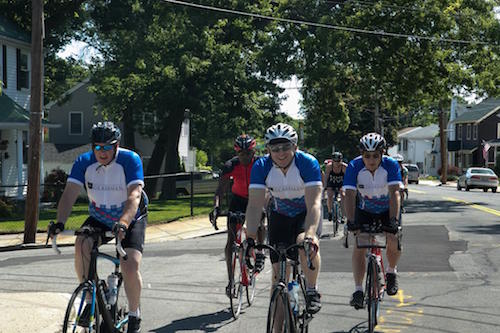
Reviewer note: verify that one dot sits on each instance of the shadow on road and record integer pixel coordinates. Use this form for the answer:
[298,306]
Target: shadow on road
[209,322]
[433,206]
[359,328]
[493,229]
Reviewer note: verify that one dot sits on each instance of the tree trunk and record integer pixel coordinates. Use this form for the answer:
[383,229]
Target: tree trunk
[172,162]
[444,150]
[128,130]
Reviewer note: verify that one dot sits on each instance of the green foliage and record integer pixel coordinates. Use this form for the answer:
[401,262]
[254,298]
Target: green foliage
[201,159]
[6,209]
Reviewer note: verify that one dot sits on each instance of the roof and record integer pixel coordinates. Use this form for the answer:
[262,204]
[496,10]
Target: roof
[406,130]
[12,31]
[14,115]
[479,112]
[67,93]
[428,132]
[63,153]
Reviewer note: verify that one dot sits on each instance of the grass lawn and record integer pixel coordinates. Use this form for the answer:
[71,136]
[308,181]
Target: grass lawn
[160,211]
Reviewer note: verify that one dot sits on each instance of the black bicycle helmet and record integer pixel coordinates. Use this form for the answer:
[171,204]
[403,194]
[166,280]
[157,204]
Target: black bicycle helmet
[337,156]
[244,142]
[105,132]
[372,142]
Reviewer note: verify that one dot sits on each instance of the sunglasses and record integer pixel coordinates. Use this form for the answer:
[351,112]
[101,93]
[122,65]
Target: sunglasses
[103,147]
[374,156]
[281,147]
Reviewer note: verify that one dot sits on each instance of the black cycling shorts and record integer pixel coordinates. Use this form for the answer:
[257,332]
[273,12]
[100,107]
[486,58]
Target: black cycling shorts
[364,217]
[285,229]
[237,204]
[135,233]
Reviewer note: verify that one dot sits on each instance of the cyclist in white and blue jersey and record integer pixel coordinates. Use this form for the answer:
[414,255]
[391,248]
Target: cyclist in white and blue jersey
[113,178]
[294,180]
[373,180]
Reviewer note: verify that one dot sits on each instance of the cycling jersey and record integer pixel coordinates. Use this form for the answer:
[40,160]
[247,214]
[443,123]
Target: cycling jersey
[335,180]
[287,190]
[240,173]
[107,185]
[373,189]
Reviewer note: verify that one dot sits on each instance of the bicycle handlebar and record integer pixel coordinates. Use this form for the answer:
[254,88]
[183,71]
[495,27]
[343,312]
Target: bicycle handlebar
[304,245]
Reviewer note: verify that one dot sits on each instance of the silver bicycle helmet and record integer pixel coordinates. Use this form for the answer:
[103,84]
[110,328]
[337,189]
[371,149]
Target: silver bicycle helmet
[372,142]
[281,132]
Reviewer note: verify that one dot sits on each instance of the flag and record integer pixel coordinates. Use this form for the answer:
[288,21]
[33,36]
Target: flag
[486,147]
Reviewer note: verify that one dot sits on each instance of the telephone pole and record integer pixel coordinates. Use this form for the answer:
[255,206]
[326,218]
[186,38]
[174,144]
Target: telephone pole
[35,129]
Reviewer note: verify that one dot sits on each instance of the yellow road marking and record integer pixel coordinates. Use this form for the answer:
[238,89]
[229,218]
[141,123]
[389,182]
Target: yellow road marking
[478,207]
[416,191]
[394,321]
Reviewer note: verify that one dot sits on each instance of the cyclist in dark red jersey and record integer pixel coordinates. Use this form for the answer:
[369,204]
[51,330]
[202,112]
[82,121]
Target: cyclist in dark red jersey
[238,168]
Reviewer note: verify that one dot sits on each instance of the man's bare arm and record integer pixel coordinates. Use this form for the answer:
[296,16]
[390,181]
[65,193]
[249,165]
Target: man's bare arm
[132,204]
[256,202]
[312,195]
[394,200]
[68,198]
[350,204]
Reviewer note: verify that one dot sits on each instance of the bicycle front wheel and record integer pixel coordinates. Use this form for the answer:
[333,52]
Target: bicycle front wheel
[372,291]
[119,311]
[251,286]
[76,318]
[279,316]
[236,288]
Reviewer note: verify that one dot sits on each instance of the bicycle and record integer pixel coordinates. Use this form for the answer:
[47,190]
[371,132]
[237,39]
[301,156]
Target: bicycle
[295,319]
[371,237]
[336,213]
[241,276]
[103,316]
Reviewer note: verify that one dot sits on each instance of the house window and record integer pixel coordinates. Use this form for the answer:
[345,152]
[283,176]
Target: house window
[474,132]
[405,145]
[23,73]
[459,132]
[75,123]
[4,66]
[468,131]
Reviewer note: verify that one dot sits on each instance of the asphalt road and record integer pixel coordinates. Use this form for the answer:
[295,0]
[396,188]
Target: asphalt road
[449,276]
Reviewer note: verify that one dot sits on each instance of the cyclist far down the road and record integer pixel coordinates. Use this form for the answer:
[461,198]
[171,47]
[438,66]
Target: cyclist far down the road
[238,169]
[294,180]
[333,180]
[113,178]
[374,180]
[404,178]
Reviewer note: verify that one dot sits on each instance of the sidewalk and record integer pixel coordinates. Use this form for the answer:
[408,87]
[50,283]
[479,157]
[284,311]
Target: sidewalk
[436,183]
[43,312]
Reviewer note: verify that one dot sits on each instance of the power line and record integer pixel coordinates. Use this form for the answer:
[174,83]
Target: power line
[329,26]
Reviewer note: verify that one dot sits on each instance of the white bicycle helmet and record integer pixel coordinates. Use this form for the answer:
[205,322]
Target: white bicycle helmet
[398,157]
[372,142]
[281,132]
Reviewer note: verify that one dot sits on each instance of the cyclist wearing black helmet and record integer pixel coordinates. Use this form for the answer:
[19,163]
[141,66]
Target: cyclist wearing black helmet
[113,178]
[238,169]
[374,179]
[333,180]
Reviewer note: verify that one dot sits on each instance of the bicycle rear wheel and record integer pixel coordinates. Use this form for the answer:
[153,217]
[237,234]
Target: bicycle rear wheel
[73,319]
[279,316]
[336,218]
[236,287]
[302,317]
[372,291]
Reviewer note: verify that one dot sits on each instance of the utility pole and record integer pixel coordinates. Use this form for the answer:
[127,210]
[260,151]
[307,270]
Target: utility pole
[443,141]
[35,129]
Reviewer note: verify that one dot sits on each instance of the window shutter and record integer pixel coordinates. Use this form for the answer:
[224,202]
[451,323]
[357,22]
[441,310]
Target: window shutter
[4,66]
[18,68]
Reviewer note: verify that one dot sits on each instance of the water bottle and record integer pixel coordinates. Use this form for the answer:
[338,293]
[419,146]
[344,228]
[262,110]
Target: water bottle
[293,292]
[112,288]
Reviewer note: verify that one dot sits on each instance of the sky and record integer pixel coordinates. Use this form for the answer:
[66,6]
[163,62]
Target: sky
[290,105]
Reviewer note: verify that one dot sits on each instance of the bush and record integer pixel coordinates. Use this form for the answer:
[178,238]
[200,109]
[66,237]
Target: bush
[6,208]
[452,171]
[54,182]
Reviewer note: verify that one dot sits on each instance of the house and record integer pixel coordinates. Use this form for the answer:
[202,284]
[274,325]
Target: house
[76,114]
[15,90]
[479,124]
[416,145]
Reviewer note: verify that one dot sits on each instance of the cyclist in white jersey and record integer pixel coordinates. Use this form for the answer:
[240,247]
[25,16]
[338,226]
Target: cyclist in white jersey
[371,184]
[113,178]
[294,181]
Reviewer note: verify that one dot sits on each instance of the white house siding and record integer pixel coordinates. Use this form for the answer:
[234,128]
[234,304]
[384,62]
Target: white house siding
[21,97]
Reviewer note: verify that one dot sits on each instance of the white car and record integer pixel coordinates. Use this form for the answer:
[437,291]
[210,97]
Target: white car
[478,178]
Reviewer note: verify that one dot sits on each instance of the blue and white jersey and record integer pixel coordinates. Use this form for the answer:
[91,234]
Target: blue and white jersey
[373,189]
[107,185]
[287,190]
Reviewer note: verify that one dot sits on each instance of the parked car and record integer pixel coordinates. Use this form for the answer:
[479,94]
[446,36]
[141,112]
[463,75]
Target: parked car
[483,178]
[204,182]
[413,173]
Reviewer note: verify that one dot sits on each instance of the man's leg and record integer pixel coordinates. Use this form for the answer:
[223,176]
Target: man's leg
[312,294]
[260,257]
[231,237]
[393,255]
[358,271]
[83,247]
[132,278]
[329,202]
